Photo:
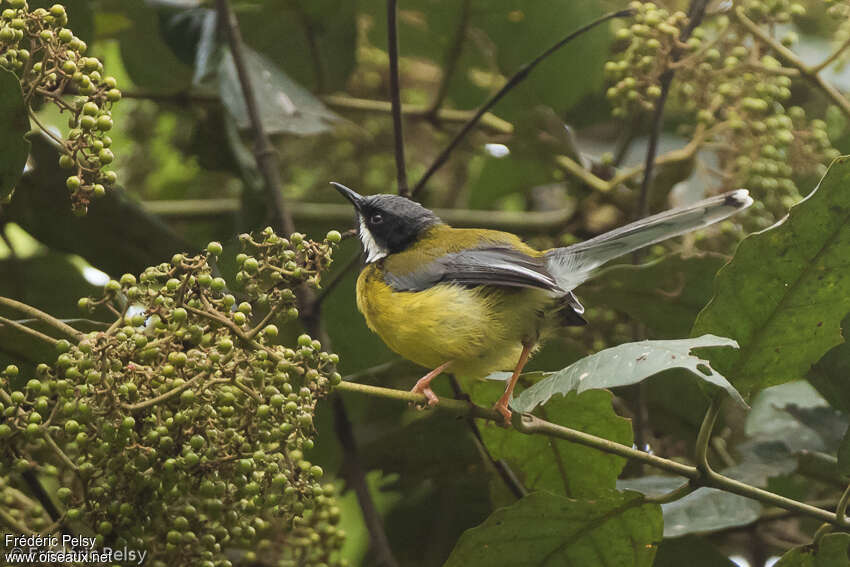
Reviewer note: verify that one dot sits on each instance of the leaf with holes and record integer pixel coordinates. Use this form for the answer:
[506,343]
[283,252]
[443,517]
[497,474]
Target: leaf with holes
[615,528]
[784,294]
[628,364]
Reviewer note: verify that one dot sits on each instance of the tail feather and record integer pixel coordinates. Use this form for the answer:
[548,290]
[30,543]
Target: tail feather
[575,264]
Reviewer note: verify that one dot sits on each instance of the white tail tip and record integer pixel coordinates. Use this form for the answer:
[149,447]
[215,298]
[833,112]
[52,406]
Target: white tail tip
[740,199]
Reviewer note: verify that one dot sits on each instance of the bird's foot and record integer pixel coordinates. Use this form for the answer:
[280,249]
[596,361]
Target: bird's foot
[502,407]
[424,387]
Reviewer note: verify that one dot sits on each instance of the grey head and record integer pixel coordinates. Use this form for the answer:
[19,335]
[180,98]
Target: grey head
[387,223]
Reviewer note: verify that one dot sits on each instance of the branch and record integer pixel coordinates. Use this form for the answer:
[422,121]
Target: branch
[489,121]
[31,332]
[333,213]
[452,56]
[34,313]
[264,152]
[515,80]
[529,424]
[395,96]
[789,57]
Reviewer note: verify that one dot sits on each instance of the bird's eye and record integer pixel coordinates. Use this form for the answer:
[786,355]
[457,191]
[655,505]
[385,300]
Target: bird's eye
[376,218]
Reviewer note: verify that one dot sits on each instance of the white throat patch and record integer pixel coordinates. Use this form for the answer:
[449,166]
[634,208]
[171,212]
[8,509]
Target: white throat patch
[374,251]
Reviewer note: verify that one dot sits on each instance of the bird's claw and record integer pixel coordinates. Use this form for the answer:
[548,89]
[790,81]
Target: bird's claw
[431,398]
[502,407]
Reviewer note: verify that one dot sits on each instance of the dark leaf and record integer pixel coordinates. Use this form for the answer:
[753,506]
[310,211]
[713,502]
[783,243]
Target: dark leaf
[116,235]
[14,124]
[544,463]
[665,295]
[284,105]
[785,292]
[831,374]
[616,528]
[691,551]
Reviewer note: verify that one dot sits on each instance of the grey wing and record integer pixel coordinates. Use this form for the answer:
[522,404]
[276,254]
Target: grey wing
[479,266]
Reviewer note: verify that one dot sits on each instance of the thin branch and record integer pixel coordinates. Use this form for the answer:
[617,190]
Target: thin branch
[334,213]
[529,424]
[452,57]
[66,330]
[501,467]
[789,57]
[264,152]
[515,80]
[166,396]
[395,96]
[676,494]
[832,57]
[841,507]
[31,332]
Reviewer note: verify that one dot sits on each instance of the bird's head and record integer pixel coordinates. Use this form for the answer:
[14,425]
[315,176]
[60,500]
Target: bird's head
[387,223]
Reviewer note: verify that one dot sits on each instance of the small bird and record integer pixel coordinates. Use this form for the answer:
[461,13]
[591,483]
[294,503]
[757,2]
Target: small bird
[474,301]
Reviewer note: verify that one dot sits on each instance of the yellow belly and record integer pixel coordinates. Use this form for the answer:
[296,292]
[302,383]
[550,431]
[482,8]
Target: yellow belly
[480,330]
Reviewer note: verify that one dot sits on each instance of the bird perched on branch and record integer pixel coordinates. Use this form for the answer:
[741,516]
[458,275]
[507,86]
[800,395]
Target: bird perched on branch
[474,301]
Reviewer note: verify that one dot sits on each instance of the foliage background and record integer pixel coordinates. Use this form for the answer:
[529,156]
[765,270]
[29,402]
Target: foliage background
[183,155]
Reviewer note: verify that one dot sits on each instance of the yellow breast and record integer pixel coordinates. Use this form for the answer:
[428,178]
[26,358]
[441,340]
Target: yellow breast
[480,329]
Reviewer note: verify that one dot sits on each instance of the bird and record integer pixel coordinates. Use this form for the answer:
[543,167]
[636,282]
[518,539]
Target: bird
[475,301]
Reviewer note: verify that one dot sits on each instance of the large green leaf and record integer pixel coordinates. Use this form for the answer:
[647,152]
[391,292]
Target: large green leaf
[617,528]
[665,295]
[14,124]
[627,364]
[284,105]
[784,294]
[545,463]
[833,550]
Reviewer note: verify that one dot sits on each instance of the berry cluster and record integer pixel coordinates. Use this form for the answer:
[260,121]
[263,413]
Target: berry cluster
[772,11]
[183,428]
[50,62]
[650,42]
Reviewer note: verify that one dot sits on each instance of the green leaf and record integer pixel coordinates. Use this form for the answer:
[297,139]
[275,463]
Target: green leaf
[831,551]
[544,463]
[665,295]
[627,364]
[769,418]
[831,374]
[14,124]
[284,105]
[703,510]
[116,235]
[616,528]
[691,551]
[313,41]
[785,292]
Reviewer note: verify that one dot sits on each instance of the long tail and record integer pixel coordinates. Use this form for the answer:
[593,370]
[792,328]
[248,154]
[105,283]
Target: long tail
[574,264]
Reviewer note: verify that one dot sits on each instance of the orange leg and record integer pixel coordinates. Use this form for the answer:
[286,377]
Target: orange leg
[502,405]
[423,385]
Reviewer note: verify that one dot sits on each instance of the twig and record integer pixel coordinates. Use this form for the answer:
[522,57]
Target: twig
[502,468]
[31,332]
[809,73]
[67,330]
[395,96]
[832,57]
[515,80]
[166,396]
[333,213]
[452,56]
[264,152]
[529,424]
